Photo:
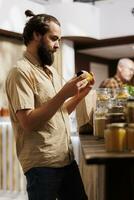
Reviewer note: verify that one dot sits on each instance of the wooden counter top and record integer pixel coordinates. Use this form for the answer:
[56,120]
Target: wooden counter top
[94,152]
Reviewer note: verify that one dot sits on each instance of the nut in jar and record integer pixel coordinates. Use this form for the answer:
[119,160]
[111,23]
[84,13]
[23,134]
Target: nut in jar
[121,93]
[103,94]
[121,96]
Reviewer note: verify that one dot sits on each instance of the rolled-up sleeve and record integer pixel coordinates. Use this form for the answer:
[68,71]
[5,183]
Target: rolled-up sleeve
[19,87]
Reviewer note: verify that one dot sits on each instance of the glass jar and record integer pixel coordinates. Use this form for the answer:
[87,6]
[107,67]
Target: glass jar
[130,137]
[115,137]
[103,94]
[130,110]
[121,96]
[99,122]
[115,118]
[121,93]
[116,114]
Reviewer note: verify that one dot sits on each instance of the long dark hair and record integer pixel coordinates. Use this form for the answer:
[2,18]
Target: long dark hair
[37,23]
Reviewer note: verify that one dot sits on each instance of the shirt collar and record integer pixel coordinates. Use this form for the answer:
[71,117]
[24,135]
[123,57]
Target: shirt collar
[35,62]
[119,81]
[32,59]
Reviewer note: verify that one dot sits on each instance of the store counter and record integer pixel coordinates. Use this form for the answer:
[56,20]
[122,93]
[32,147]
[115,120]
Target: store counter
[106,175]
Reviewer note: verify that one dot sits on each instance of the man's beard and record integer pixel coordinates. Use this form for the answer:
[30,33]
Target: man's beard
[46,57]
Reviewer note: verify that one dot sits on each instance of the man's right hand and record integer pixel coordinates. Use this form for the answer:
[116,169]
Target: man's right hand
[73,86]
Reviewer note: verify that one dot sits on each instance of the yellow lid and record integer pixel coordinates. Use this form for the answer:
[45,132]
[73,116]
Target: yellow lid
[131,125]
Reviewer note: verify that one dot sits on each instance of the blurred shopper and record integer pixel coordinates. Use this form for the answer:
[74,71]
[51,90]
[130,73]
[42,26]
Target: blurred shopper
[124,74]
[85,109]
[39,109]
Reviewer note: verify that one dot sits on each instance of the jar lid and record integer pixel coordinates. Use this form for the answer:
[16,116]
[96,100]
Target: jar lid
[115,114]
[116,109]
[118,125]
[130,99]
[131,125]
[103,89]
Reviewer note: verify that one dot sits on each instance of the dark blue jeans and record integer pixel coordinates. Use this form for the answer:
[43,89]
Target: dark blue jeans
[44,183]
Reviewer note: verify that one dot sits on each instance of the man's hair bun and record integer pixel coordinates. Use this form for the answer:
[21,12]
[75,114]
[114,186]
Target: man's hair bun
[29,13]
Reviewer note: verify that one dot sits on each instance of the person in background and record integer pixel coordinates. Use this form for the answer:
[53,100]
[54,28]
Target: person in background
[39,110]
[124,74]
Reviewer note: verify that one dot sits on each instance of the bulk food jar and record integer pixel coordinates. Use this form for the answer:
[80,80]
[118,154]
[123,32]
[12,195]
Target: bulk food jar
[130,137]
[130,110]
[115,137]
[99,122]
[99,117]
[121,96]
[116,114]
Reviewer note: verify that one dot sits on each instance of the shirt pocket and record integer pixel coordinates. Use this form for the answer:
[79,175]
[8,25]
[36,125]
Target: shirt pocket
[44,91]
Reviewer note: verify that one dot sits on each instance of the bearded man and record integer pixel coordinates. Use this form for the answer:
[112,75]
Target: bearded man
[39,110]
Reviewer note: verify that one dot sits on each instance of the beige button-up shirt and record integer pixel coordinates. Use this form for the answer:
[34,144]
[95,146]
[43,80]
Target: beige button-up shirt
[28,87]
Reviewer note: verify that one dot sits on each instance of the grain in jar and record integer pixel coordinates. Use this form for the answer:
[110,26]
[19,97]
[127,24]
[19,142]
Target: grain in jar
[99,124]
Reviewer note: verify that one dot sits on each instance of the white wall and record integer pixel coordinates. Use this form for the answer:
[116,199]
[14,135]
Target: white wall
[77,19]
[68,71]
[116,18]
[100,71]
[105,19]
[68,62]
[12,15]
